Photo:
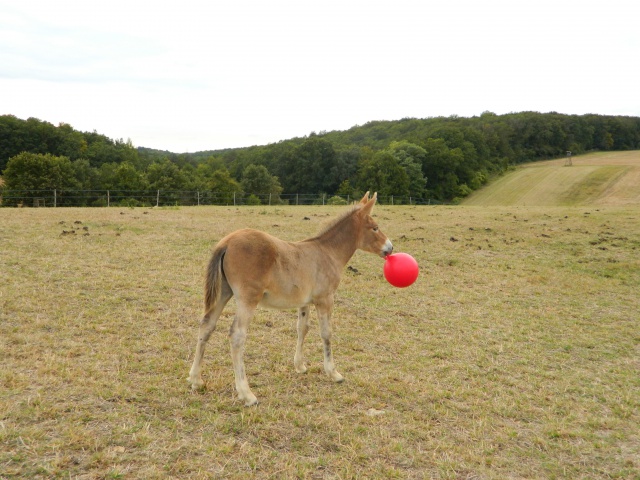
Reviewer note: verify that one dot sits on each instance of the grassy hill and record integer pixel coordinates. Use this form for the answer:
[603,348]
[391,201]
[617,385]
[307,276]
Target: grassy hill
[605,178]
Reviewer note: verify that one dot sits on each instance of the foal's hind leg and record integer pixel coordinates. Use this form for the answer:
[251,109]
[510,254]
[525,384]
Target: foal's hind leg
[303,328]
[207,326]
[324,309]
[238,336]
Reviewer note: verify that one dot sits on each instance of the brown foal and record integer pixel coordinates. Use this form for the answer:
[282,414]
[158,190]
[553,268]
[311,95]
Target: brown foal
[259,269]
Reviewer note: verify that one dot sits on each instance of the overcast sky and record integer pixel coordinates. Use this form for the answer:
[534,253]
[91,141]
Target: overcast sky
[202,75]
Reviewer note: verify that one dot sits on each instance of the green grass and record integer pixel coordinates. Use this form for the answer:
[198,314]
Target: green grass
[514,355]
[592,185]
[596,179]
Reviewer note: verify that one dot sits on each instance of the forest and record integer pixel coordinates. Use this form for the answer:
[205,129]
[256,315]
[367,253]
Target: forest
[441,158]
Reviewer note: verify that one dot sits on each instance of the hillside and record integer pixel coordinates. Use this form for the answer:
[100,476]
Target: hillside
[441,159]
[605,178]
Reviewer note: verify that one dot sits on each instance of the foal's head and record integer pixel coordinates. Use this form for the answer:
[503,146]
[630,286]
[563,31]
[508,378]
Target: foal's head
[371,238]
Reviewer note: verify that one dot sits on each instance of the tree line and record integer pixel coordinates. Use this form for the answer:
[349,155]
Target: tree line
[443,158]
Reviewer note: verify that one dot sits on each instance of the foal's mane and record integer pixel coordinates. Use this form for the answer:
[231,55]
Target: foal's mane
[330,224]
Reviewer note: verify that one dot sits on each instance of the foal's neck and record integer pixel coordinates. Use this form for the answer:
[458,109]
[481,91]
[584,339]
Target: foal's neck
[341,239]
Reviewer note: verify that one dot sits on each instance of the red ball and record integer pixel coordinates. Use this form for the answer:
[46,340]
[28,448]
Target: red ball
[400,269]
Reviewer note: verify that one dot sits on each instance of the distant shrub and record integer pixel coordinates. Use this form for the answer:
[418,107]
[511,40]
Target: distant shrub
[336,200]
[131,202]
[253,200]
[464,190]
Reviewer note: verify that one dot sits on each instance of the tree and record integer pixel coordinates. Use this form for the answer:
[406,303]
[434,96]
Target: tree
[385,175]
[411,157]
[346,190]
[223,186]
[346,167]
[34,171]
[85,175]
[72,143]
[123,176]
[257,180]
[129,178]
[165,175]
[311,167]
[439,166]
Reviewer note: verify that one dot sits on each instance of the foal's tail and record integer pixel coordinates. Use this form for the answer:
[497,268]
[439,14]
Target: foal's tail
[213,281]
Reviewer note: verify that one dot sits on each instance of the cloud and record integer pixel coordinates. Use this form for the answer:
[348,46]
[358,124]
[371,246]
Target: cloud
[185,76]
[37,49]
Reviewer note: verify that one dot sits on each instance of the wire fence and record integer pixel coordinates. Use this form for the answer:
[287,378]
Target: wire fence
[163,198]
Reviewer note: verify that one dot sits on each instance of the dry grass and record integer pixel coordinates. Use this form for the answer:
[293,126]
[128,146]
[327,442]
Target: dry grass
[515,355]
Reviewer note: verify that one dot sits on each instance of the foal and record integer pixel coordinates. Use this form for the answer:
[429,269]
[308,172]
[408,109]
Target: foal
[260,269]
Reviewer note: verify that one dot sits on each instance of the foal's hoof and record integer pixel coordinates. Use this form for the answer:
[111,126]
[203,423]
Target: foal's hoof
[336,377]
[196,385]
[250,401]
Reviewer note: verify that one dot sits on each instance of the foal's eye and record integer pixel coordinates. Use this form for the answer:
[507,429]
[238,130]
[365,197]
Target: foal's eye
[375,229]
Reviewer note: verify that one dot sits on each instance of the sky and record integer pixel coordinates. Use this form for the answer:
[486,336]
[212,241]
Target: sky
[202,75]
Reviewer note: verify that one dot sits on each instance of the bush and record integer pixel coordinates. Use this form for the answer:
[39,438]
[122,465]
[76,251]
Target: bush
[336,200]
[464,190]
[131,202]
[253,200]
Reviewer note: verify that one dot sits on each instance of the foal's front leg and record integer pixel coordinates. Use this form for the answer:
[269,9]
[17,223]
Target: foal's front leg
[324,309]
[303,328]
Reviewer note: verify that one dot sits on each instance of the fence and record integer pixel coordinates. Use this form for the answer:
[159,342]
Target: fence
[159,198]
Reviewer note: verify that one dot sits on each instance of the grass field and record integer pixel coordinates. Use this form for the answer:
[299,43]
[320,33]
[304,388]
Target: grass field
[596,179]
[516,354]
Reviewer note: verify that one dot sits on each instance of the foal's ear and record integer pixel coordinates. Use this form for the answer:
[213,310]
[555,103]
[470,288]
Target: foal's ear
[368,204]
[365,199]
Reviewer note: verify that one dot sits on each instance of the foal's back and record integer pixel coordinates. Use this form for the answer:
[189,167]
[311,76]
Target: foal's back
[266,270]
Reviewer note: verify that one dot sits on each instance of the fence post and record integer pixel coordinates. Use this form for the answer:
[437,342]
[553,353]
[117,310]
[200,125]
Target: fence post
[269,198]
[297,199]
[391,199]
[158,199]
[55,197]
[198,197]
[323,199]
[234,199]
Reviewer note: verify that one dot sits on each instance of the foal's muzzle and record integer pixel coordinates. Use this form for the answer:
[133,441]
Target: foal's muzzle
[387,248]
